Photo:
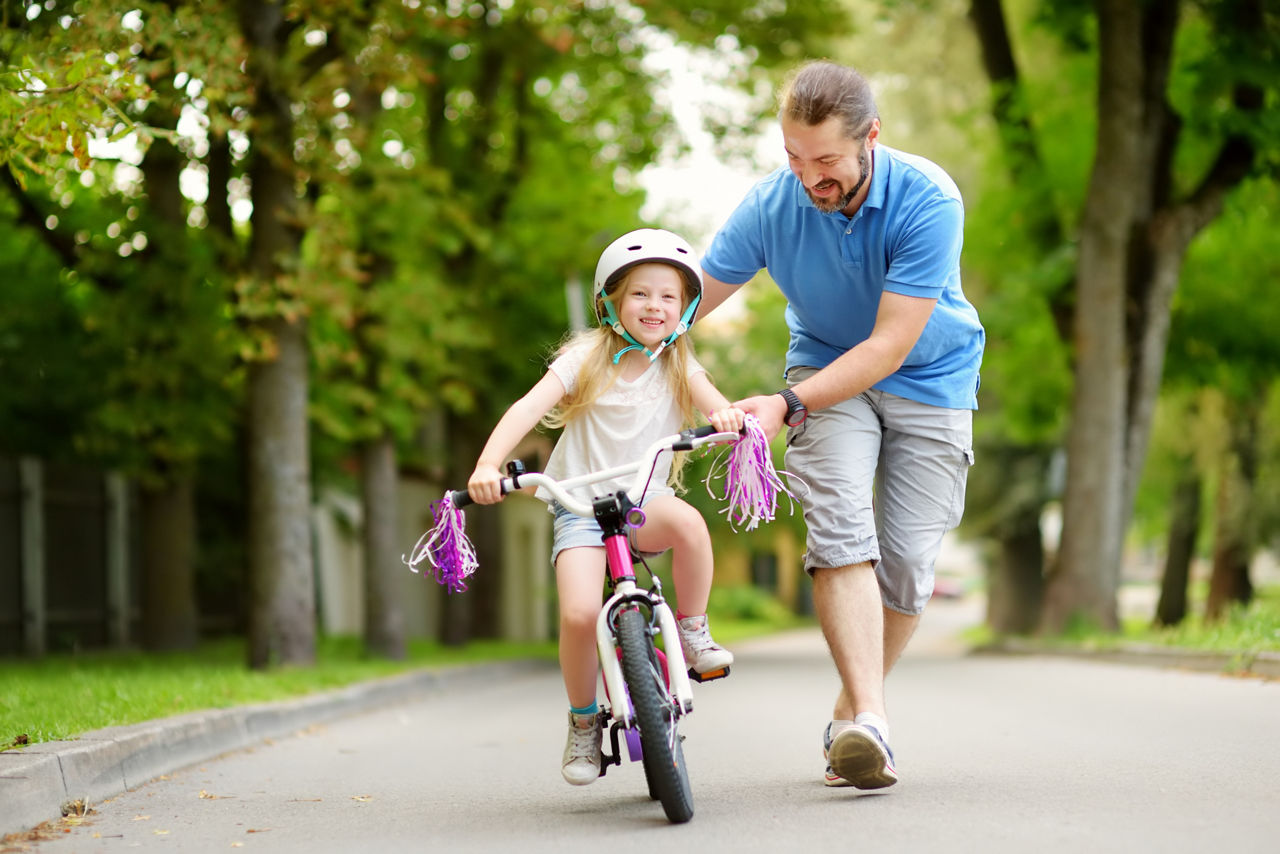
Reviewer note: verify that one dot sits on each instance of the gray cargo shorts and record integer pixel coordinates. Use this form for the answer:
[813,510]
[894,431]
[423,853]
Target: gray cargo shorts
[884,479]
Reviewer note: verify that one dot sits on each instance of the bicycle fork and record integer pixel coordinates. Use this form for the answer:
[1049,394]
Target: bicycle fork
[679,685]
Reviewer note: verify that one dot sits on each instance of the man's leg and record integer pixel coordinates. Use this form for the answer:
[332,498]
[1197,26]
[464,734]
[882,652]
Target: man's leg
[847,601]
[898,629]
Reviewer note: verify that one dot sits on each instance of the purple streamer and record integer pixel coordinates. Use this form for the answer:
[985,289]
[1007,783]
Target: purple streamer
[446,548]
[751,484]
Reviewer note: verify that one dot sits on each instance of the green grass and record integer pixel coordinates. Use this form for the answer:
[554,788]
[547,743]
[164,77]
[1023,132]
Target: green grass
[1244,629]
[61,696]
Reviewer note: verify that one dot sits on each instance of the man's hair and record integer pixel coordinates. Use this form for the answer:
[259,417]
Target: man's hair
[821,90]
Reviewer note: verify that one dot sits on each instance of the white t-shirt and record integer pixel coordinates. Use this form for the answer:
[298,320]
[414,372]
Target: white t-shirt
[620,425]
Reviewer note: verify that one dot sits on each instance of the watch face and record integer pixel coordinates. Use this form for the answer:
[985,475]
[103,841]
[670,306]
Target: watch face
[796,417]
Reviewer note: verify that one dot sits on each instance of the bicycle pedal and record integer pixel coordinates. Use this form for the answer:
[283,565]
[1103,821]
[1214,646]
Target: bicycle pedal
[709,675]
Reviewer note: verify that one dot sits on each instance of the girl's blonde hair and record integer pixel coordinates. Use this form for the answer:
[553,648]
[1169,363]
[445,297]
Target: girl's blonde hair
[599,373]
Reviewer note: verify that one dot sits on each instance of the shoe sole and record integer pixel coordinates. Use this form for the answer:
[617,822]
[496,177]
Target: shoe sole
[834,780]
[857,757]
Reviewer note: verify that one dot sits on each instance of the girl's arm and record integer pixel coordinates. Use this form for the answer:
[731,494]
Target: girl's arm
[521,417]
[708,399]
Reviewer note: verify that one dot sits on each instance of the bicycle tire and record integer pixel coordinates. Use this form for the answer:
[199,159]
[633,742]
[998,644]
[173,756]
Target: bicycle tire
[664,764]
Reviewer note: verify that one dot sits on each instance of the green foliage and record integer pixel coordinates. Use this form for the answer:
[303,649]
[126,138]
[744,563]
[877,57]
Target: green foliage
[1225,315]
[747,602]
[66,75]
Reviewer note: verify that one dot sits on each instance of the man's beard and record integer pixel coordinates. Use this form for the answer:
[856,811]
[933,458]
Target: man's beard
[864,165]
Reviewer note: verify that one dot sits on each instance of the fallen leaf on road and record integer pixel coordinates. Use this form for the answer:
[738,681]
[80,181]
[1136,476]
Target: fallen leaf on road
[362,798]
[142,818]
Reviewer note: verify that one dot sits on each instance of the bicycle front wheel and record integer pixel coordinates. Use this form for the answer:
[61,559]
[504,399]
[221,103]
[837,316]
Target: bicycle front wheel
[664,765]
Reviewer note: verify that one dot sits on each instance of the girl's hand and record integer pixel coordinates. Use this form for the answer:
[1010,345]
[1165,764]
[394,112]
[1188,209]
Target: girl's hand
[769,408]
[730,419]
[485,484]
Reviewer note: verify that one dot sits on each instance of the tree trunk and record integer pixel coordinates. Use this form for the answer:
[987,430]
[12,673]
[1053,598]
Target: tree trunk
[1229,582]
[1184,528]
[168,522]
[282,587]
[384,632]
[281,580]
[1085,580]
[1017,581]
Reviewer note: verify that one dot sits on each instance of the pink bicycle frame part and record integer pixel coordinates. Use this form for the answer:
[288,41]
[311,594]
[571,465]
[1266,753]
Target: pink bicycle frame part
[618,554]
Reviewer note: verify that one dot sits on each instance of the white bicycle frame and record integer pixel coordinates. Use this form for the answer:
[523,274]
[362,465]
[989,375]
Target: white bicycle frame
[628,589]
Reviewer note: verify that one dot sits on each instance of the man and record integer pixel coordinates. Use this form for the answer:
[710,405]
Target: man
[882,376]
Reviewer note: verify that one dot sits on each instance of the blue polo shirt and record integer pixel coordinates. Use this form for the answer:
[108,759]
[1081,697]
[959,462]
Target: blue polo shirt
[905,239]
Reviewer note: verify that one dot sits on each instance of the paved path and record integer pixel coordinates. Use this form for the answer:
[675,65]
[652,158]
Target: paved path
[997,754]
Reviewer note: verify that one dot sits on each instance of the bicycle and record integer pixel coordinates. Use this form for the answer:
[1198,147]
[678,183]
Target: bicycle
[647,688]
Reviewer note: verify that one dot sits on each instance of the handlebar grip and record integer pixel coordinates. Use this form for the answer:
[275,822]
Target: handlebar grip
[699,432]
[459,498]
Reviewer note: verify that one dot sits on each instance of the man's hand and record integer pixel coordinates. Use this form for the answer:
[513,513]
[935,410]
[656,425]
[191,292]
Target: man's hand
[770,409]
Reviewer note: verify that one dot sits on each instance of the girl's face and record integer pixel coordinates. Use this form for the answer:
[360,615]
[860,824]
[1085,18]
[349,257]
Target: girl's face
[651,302]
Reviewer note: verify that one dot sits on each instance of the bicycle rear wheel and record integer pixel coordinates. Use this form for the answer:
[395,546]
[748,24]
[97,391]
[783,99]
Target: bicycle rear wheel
[664,765]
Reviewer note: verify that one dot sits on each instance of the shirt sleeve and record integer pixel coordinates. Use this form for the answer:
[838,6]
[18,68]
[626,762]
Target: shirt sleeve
[567,366]
[695,367]
[925,253]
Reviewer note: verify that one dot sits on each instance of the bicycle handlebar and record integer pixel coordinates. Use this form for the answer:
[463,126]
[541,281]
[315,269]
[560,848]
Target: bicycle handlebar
[685,440]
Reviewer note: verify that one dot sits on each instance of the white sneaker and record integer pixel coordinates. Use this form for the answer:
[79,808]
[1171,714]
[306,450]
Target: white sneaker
[582,750]
[701,652]
[857,755]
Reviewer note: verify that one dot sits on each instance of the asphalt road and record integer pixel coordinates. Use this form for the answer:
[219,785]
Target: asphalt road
[996,754]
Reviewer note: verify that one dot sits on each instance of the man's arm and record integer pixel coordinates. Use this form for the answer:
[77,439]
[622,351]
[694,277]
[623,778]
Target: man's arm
[899,322]
[714,292]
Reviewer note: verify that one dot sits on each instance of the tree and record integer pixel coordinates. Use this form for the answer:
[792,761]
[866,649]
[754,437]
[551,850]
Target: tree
[152,331]
[1223,348]
[1151,189]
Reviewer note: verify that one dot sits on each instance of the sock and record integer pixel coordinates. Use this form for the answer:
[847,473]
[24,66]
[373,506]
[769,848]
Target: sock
[875,722]
[586,710]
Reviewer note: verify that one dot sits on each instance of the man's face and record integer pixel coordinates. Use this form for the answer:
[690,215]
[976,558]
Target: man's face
[832,167]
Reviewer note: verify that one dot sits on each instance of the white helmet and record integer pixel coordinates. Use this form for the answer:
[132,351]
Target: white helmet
[645,245]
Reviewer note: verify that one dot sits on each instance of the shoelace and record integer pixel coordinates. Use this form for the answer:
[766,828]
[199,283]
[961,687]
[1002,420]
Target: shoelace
[699,640]
[583,744]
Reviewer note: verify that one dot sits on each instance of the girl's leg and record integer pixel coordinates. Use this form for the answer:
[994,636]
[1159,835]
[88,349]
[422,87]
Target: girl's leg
[670,523]
[580,583]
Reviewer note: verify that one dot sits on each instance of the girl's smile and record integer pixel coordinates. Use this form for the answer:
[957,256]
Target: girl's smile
[651,302]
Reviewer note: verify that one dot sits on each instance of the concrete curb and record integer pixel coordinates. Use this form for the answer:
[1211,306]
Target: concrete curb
[36,781]
[1262,665]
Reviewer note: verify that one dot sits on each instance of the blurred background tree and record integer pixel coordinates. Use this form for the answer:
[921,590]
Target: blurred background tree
[260,249]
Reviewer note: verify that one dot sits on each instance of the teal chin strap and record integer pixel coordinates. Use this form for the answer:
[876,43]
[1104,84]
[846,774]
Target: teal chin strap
[682,327]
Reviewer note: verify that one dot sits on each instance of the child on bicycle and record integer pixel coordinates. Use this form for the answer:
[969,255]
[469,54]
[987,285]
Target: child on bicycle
[615,389]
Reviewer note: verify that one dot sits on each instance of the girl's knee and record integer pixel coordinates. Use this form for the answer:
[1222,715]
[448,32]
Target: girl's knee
[577,621]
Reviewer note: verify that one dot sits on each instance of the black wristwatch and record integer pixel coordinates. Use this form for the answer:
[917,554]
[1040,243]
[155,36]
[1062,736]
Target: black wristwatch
[796,411]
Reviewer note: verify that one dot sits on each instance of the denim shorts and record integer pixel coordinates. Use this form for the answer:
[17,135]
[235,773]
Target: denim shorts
[883,480]
[571,531]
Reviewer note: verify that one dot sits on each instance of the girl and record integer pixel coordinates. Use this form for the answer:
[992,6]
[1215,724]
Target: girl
[615,389]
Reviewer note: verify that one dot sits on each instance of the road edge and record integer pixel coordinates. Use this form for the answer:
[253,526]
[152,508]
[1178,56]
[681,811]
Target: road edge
[38,782]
